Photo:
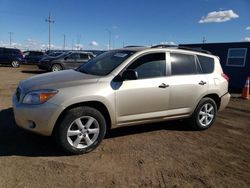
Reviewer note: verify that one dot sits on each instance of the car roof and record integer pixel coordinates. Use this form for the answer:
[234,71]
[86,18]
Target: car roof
[171,48]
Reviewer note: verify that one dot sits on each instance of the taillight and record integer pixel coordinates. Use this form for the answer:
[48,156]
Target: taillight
[225,76]
[22,54]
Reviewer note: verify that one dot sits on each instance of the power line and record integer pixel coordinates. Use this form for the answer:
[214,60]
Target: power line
[49,20]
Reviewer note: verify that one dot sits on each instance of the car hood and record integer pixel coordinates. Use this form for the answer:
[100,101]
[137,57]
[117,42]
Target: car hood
[57,80]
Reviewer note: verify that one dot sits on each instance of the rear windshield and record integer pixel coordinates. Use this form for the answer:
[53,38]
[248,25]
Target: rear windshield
[207,64]
[105,63]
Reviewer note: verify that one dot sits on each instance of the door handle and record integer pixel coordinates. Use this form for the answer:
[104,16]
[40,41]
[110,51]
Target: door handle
[163,85]
[202,82]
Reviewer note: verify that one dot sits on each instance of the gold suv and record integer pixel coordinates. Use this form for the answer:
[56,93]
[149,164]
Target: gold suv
[134,85]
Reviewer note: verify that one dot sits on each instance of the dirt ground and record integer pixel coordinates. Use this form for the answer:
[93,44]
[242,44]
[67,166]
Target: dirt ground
[165,154]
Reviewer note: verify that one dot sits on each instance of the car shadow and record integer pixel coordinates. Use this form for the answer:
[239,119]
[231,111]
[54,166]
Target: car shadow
[16,141]
[33,71]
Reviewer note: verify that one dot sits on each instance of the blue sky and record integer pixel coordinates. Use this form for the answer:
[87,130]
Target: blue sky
[131,22]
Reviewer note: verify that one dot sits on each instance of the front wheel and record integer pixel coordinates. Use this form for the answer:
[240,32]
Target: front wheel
[204,114]
[81,130]
[15,64]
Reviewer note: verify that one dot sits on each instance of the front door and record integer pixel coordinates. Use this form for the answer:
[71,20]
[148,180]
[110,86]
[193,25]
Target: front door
[148,96]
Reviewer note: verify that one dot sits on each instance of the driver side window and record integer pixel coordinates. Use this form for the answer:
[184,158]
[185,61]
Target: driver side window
[150,66]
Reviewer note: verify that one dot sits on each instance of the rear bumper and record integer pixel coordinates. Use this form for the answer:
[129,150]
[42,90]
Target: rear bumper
[224,101]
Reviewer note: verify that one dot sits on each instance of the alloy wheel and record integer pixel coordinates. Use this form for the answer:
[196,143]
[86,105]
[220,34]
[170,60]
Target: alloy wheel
[83,132]
[206,114]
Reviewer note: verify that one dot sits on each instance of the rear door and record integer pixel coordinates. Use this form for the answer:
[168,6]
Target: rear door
[70,61]
[187,84]
[84,57]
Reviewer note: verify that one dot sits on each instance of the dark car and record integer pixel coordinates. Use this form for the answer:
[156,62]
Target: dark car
[11,56]
[32,57]
[95,52]
[69,60]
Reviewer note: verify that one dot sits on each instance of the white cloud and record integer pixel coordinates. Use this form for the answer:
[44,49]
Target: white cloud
[219,16]
[248,28]
[246,39]
[93,43]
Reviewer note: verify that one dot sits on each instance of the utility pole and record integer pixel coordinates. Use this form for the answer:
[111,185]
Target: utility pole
[109,32]
[49,20]
[64,41]
[204,40]
[10,33]
[78,39]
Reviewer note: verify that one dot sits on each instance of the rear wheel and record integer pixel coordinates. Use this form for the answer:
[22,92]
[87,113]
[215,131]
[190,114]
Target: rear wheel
[81,130]
[15,64]
[56,67]
[204,114]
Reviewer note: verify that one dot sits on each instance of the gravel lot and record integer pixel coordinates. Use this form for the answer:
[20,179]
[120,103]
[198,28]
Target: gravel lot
[166,154]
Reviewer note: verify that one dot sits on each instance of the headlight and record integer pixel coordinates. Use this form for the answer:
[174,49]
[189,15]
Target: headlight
[39,96]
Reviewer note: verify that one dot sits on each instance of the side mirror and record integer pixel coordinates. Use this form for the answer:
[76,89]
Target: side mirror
[130,75]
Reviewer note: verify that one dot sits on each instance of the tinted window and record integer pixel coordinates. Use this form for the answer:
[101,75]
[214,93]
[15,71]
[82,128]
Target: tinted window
[7,52]
[73,56]
[207,64]
[15,52]
[1,50]
[36,53]
[84,56]
[182,64]
[150,66]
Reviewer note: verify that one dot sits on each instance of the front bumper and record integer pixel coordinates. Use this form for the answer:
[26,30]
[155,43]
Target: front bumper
[36,118]
[42,66]
[224,101]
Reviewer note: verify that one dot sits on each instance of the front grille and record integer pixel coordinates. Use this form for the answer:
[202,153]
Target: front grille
[18,93]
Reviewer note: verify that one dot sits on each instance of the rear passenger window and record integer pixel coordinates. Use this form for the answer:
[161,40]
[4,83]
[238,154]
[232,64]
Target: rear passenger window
[182,64]
[84,56]
[207,64]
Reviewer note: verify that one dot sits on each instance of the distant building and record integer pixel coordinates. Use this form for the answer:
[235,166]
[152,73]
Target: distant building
[235,60]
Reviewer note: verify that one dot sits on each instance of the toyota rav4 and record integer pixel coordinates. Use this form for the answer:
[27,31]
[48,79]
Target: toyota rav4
[122,87]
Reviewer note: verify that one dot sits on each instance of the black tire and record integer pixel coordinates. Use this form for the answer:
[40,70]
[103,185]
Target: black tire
[56,67]
[196,119]
[61,131]
[15,64]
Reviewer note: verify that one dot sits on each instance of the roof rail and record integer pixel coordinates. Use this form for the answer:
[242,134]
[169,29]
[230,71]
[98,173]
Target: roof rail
[182,48]
[194,49]
[133,46]
[163,46]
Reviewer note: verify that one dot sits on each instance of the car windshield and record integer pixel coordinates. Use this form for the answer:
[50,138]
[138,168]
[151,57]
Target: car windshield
[105,63]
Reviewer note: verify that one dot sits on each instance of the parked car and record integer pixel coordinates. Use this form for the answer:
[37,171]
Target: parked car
[32,57]
[122,87]
[55,54]
[68,60]
[11,56]
[95,52]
